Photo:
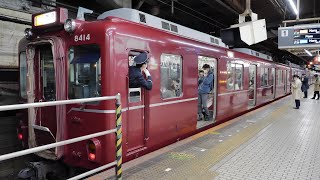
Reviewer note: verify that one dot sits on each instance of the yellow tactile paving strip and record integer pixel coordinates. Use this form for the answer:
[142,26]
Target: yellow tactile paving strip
[198,168]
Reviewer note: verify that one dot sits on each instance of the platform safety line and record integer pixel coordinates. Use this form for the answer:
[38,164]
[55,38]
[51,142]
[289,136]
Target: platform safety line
[201,167]
[119,141]
[234,120]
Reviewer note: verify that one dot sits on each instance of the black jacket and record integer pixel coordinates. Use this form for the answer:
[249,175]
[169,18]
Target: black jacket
[137,80]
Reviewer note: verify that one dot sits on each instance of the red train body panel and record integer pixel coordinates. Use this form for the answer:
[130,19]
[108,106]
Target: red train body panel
[153,122]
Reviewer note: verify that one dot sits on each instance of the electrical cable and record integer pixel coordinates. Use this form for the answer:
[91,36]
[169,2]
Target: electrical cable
[192,15]
[200,13]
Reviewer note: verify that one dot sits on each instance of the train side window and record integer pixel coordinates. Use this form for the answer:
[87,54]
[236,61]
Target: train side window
[171,76]
[134,93]
[279,77]
[234,76]
[264,77]
[239,77]
[230,76]
[84,71]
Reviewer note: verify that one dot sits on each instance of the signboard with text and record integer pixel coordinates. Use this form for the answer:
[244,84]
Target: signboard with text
[299,36]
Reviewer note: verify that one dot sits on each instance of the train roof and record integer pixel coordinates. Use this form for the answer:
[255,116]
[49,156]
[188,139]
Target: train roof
[158,23]
[254,53]
[136,16]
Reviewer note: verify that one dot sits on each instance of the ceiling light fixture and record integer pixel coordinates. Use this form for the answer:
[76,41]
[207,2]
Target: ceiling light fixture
[293,6]
[308,52]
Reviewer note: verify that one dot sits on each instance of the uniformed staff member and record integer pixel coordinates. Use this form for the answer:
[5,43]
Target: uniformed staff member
[136,78]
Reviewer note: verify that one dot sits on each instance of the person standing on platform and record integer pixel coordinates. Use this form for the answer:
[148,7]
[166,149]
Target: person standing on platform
[316,87]
[296,90]
[305,85]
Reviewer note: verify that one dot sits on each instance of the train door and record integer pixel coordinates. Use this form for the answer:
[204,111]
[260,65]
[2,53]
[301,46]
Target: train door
[252,85]
[136,116]
[288,81]
[273,77]
[44,87]
[284,81]
[44,123]
[212,96]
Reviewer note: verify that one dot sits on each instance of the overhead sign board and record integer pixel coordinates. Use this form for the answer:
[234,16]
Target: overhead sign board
[306,36]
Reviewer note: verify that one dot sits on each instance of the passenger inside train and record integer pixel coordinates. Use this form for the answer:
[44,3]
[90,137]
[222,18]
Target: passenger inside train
[204,90]
[171,69]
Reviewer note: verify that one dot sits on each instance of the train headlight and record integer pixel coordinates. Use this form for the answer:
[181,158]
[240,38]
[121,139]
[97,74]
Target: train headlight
[70,25]
[28,33]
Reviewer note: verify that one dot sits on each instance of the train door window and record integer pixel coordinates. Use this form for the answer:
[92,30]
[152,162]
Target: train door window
[230,77]
[171,76]
[47,73]
[23,75]
[84,71]
[238,77]
[264,77]
[273,76]
[134,93]
[279,77]
[234,76]
[202,60]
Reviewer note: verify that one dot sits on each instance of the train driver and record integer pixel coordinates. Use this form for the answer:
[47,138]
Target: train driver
[136,79]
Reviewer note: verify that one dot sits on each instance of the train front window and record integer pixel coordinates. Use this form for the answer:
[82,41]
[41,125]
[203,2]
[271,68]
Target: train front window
[23,75]
[47,73]
[84,71]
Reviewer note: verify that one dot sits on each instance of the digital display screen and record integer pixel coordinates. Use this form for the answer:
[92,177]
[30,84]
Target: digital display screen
[306,36]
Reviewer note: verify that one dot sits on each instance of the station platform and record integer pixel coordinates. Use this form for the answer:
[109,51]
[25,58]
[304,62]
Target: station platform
[272,142]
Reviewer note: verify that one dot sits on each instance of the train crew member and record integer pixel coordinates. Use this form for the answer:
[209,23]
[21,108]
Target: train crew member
[305,85]
[203,92]
[136,78]
[296,90]
[316,87]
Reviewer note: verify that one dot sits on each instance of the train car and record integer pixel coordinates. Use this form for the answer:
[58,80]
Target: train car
[73,59]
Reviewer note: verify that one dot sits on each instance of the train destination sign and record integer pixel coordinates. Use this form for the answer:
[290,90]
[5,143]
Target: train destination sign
[299,37]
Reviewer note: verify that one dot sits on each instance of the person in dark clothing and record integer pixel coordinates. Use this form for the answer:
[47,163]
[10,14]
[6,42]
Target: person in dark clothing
[305,85]
[136,78]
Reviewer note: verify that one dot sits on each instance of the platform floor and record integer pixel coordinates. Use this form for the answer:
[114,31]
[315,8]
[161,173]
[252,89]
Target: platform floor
[272,142]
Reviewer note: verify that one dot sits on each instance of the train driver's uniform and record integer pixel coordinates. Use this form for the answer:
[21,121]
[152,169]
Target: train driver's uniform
[136,78]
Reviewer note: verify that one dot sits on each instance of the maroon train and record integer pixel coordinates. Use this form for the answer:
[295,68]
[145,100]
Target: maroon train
[79,59]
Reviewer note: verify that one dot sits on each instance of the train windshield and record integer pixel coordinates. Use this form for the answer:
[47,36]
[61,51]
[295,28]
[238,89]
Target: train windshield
[84,71]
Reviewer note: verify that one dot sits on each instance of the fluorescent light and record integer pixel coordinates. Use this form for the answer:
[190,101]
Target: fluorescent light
[308,52]
[293,6]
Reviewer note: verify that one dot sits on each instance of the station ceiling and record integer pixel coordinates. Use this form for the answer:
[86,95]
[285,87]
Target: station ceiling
[210,16]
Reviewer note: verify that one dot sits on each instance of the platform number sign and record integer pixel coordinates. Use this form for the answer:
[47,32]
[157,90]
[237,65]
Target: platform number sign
[82,37]
[284,33]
